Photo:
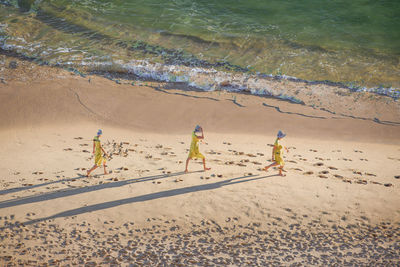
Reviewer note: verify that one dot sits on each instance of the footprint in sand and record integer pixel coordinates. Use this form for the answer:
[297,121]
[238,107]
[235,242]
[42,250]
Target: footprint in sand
[362,182]
[358,151]
[388,185]
[313,150]
[332,168]
[83,144]
[256,163]
[319,164]
[376,182]
[397,176]
[347,181]
[308,173]
[347,159]
[370,174]
[78,138]
[393,158]
[37,173]
[338,176]
[292,161]
[324,172]
[67,149]
[322,176]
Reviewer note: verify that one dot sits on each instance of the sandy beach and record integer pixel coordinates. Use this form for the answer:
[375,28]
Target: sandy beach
[337,205]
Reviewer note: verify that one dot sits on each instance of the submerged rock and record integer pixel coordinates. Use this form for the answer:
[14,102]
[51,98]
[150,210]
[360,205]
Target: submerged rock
[25,5]
[13,65]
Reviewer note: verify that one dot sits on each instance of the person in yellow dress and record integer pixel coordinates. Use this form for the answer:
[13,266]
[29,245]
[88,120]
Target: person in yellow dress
[277,154]
[97,151]
[194,148]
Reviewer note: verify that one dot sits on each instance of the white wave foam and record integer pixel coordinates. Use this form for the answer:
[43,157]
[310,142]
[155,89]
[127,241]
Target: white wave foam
[211,79]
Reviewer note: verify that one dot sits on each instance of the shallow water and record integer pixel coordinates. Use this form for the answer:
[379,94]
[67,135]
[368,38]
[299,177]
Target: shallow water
[356,43]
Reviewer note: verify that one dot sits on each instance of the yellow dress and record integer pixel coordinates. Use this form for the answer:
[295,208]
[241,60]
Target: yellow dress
[194,148]
[98,157]
[278,153]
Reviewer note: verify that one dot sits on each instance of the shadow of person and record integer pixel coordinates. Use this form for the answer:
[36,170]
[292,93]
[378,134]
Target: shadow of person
[148,197]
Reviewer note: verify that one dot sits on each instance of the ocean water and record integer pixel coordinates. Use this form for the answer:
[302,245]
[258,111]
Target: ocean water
[354,43]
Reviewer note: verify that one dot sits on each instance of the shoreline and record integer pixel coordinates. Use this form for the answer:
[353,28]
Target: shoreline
[156,72]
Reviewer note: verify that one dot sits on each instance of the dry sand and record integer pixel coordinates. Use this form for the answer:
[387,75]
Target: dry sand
[338,204]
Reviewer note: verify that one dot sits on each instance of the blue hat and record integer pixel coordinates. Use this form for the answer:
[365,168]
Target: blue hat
[280,134]
[197,128]
[99,132]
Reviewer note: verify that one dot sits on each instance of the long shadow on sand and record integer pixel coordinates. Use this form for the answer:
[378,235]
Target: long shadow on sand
[147,197]
[17,189]
[80,190]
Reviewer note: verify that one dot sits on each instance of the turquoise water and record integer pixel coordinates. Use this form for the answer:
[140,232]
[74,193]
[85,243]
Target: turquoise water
[351,42]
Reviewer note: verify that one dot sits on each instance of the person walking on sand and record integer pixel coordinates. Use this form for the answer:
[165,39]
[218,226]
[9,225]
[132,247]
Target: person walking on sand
[277,154]
[97,151]
[194,148]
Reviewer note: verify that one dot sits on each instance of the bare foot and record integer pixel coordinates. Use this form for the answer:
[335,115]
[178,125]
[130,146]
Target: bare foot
[265,169]
[87,174]
[105,173]
[207,169]
[283,175]
[186,171]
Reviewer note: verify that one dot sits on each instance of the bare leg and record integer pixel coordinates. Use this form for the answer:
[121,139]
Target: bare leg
[187,163]
[271,165]
[204,165]
[280,171]
[105,171]
[89,171]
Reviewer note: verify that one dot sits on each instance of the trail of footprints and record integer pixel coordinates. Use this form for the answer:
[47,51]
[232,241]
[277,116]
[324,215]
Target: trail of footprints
[323,173]
[159,152]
